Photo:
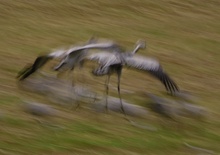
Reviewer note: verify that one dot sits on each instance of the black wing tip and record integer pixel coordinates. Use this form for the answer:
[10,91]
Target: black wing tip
[23,73]
[170,85]
[31,68]
[26,74]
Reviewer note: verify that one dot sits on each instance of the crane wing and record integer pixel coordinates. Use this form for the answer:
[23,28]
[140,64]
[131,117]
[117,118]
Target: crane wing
[58,53]
[142,63]
[105,45]
[28,70]
[104,58]
[78,49]
[77,54]
[154,68]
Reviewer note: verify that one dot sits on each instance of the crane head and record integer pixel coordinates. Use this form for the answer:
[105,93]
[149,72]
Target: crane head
[141,44]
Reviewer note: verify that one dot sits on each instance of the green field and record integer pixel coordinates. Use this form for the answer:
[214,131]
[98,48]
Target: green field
[183,35]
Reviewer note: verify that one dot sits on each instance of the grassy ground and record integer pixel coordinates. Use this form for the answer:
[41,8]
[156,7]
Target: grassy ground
[183,35]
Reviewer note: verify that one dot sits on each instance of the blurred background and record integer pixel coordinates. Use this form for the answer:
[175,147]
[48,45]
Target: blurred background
[183,35]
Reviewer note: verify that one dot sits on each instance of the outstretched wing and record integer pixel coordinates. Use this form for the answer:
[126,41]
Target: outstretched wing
[105,46]
[24,70]
[154,68]
[77,54]
[38,63]
[104,58]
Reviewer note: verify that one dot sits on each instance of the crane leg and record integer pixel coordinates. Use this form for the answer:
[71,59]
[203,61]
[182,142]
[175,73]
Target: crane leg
[82,71]
[71,76]
[119,92]
[107,89]
[82,74]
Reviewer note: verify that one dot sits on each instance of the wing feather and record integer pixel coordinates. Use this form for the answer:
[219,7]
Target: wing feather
[142,63]
[104,58]
[154,68]
[74,52]
[38,63]
[105,45]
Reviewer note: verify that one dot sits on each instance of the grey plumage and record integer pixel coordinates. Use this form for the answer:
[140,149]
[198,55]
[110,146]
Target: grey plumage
[76,56]
[107,60]
[153,67]
[113,62]
[69,58]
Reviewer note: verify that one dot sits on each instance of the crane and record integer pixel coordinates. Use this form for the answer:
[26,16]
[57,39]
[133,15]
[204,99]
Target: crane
[113,62]
[70,58]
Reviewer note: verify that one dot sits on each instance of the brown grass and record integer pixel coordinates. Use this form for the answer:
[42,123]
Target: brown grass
[183,35]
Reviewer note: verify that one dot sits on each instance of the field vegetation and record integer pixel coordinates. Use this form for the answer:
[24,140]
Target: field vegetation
[183,35]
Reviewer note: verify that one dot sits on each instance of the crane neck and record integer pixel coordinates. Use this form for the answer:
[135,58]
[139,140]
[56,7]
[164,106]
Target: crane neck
[136,49]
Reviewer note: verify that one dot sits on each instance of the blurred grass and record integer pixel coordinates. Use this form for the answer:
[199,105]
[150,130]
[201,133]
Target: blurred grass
[183,35]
